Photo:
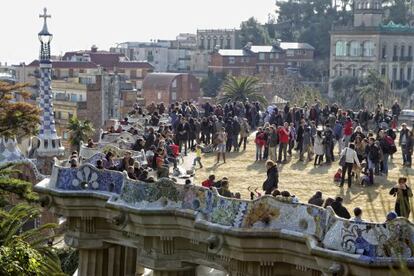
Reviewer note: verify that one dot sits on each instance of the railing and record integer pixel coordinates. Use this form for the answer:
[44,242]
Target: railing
[266,214]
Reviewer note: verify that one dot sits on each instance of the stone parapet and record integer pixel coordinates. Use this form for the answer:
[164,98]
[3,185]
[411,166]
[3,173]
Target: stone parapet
[173,227]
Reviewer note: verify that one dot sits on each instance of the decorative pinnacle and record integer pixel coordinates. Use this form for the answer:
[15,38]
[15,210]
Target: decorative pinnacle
[45,16]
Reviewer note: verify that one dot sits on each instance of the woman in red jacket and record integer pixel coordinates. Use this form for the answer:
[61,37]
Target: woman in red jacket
[284,134]
[260,142]
[347,131]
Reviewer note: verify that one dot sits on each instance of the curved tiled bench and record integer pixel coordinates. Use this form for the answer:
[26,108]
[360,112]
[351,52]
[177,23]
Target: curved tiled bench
[369,242]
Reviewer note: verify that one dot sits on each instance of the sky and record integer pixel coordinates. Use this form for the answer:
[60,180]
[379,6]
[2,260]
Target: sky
[78,24]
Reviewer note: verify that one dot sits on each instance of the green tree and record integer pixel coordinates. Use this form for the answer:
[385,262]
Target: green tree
[344,88]
[22,252]
[79,131]
[310,22]
[252,31]
[17,118]
[25,253]
[211,84]
[375,89]
[398,12]
[242,89]
[10,185]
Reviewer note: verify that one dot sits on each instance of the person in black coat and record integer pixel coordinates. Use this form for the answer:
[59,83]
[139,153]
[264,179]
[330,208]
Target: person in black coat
[339,209]
[272,179]
[182,134]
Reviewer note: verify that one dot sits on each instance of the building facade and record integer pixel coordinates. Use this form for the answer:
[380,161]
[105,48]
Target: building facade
[372,45]
[224,38]
[169,88]
[263,61]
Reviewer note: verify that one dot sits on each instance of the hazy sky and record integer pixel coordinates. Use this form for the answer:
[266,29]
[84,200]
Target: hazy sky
[77,24]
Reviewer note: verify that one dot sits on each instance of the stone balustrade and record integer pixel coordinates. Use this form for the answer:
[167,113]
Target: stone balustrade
[240,236]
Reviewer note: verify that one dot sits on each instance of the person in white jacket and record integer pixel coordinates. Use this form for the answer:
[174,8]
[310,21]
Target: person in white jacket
[351,157]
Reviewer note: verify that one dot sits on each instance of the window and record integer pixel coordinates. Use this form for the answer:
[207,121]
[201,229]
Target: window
[353,71]
[174,96]
[261,56]
[340,48]
[214,42]
[290,53]
[395,51]
[259,68]
[409,73]
[133,74]
[208,44]
[232,60]
[221,42]
[384,51]
[394,74]
[228,43]
[410,50]
[383,71]
[271,56]
[202,43]
[159,95]
[402,51]
[174,83]
[368,49]
[401,74]
[80,98]
[355,49]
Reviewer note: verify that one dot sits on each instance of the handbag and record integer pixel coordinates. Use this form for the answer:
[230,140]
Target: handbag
[342,161]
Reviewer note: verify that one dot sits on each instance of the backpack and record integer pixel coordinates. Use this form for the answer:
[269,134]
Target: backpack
[392,148]
[374,153]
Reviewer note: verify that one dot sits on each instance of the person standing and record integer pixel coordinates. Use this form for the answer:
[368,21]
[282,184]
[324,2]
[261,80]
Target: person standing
[306,144]
[372,152]
[182,134]
[283,133]
[272,179]
[404,136]
[318,148]
[350,156]
[403,194]
[221,144]
[273,141]
[244,133]
[260,142]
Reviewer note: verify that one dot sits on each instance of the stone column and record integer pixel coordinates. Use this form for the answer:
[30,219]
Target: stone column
[183,272]
[113,261]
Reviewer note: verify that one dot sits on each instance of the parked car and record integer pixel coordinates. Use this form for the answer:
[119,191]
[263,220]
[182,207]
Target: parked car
[406,116]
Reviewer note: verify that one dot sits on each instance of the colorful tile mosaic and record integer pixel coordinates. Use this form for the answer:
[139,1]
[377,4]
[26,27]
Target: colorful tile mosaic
[368,240]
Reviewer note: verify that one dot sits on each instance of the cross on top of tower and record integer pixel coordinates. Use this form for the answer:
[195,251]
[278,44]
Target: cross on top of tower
[45,16]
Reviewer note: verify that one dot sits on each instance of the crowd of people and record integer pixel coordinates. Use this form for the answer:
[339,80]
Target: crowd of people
[365,141]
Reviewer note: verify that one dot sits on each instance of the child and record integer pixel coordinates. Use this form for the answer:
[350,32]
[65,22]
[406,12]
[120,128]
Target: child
[198,156]
[208,183]
[338,175]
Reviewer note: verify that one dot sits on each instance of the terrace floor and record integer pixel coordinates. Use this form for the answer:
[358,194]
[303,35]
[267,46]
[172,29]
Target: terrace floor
[303,180]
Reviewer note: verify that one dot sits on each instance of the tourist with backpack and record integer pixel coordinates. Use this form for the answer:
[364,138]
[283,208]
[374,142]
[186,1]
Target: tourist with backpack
[373,157]
[388,147]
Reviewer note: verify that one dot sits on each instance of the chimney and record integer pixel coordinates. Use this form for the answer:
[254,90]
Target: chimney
[94,49]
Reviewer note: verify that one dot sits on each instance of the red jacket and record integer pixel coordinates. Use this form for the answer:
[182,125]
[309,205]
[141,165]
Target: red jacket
[283,135]
[207,183]
[348,128]
[260,140]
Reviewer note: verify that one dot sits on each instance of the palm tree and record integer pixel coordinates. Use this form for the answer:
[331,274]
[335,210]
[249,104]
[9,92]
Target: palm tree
[79,131]
[25,252]
[242,89]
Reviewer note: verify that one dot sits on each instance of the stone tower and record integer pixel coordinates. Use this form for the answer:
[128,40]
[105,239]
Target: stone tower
[367,13]
[49,143]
